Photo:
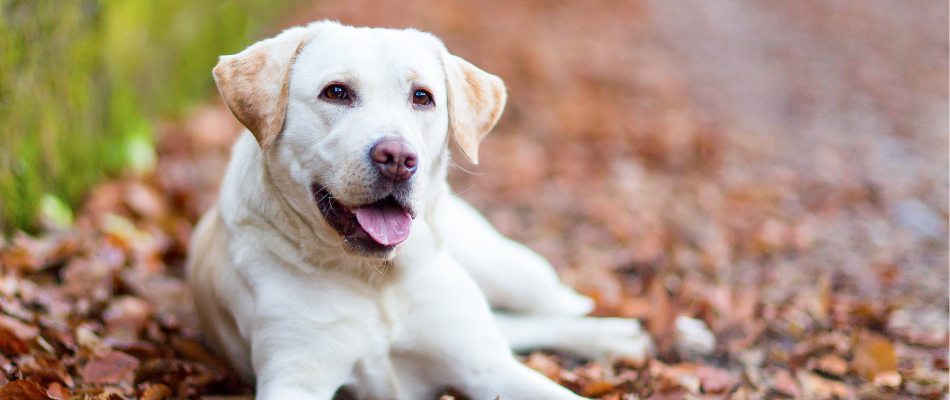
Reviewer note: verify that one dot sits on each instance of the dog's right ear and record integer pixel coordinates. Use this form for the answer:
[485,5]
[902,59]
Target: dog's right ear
[254,83]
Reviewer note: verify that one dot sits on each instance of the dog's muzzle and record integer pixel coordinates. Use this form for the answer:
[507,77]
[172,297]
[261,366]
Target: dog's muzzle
[377,226]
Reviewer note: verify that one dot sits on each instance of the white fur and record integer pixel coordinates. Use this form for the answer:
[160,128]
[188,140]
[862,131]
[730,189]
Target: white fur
[282,299]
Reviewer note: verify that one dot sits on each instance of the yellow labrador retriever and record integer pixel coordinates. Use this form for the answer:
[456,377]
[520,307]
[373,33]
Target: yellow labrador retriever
[337,257]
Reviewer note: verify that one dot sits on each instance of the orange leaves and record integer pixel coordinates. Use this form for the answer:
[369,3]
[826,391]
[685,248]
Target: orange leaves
[23,390]
[614,380]
[873,354]
[113,367]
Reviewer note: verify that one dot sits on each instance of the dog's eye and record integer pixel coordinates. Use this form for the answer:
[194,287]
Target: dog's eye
[422,98]
[335,92]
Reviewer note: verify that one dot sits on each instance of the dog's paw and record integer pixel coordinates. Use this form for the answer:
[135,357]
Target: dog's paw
[569,302]
[610,338]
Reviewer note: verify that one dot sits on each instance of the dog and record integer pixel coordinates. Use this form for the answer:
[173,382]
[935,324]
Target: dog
[338,260]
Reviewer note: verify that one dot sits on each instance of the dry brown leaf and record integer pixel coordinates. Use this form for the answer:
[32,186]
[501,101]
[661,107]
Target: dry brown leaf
[544,364]
[597,389]
[784,383]
[193,350]
[126,317]
[831,364]
[45,368]
[156,392]
[816,387]
[662,316]
[873,353]
[715,381]
[112,367]
[21,329]
[744,393]
[27,255]
[636,307]
[145,201]
[632,363]
[107,395]
[188,378]
[676,377]
[58,392]
[10,344]
[23,390]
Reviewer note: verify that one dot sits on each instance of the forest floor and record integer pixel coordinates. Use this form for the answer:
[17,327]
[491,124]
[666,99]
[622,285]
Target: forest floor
[778,172]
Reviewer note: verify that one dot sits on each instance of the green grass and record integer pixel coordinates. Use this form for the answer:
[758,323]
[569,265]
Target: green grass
[82,82]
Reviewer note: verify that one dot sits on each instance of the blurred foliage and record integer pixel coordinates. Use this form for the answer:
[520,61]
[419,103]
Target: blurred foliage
[81,82]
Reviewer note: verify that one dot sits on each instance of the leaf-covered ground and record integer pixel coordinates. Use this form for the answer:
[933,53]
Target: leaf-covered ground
[777,171]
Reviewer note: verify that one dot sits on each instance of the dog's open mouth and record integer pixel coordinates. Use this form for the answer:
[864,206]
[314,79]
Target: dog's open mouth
[379,225]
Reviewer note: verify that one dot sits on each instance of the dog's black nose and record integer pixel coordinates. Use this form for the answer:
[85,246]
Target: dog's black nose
[394,158]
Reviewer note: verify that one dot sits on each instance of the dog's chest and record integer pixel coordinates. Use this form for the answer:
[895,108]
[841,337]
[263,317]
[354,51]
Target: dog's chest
[391,310]
[388,338]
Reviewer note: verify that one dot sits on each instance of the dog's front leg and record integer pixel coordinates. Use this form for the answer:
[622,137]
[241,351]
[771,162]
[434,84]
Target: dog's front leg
[310,335]
[452,340]
[292,361]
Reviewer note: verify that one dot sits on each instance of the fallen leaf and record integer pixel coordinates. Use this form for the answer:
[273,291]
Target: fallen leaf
[662,316]
[10,344]
[112,367]
[58,392]
[831,364]
[597,389]
[187,377]
[193,350]
[27,255]
[744,393]
[45,368]
[671,378]
[784,383]
[636,307]
[544,364]
[21,329]
[108,395]
[714,380]
[157,391]
[126,317]
[23,390]
[145,201]
[873,353]
[816,387]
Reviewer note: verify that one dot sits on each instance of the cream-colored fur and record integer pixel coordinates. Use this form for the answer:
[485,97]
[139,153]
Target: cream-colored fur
[302,311]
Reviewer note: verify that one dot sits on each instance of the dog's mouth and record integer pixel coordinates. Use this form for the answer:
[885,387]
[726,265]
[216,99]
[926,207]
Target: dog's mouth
[377,226]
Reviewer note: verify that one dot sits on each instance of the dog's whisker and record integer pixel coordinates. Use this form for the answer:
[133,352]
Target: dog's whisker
[454,164]
[466,189]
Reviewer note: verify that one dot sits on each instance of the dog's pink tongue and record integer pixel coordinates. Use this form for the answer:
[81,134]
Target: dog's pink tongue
[388,225]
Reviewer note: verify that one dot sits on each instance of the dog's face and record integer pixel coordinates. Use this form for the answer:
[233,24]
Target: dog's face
[353,123]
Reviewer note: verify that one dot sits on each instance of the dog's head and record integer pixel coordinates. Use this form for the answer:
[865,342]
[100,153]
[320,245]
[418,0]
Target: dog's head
[353,123]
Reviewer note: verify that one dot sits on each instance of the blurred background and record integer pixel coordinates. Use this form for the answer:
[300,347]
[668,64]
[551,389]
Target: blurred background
[728,161]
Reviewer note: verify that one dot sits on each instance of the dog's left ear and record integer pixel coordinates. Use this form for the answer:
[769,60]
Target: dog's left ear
[476,100]
[254,83]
